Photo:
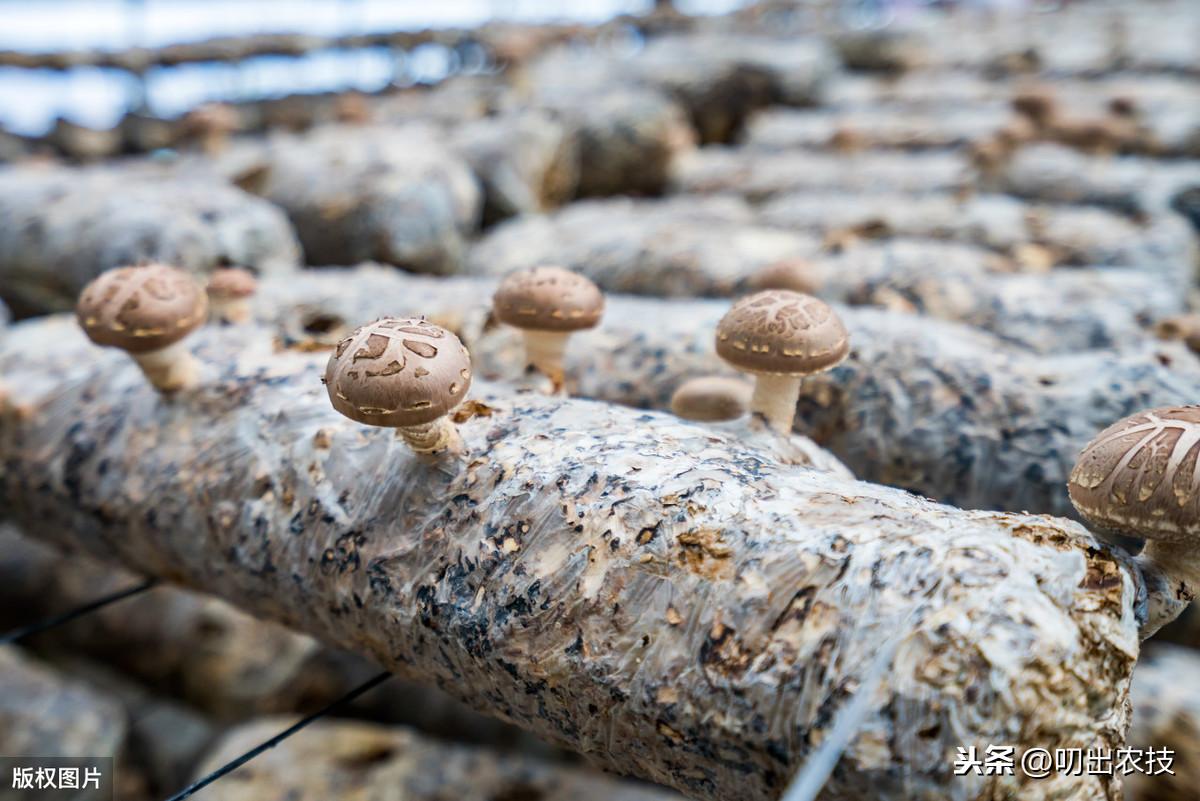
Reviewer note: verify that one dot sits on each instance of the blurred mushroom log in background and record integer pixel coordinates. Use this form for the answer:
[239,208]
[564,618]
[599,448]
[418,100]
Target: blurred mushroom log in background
[526,161]
[1133,185]
[50,712]
[381,762]
[1037,236]
[718,79]
[569,576]
[43,713]
[872,128]
[355,193]
[851,121]
[62,227]
[759,175]
[708,247]
[1078,40]
[222,662]
[933,406]
[1166,714]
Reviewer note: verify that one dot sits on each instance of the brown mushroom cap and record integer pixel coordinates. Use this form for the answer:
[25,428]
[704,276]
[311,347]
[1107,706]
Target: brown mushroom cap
[141,309]
[231,283]
[398,372]
[795,274]
[711,398]
[1140,476]
[548,299]
[782,332]
[1036,103]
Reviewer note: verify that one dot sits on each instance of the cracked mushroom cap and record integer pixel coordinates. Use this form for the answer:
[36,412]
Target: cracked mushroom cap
[398,372]
[1140,476]
[141,309]
[231,283]
[782,332]
[548,299]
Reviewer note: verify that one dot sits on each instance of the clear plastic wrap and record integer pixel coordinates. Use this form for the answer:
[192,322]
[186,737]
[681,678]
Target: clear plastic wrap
[674,602]
[936,407]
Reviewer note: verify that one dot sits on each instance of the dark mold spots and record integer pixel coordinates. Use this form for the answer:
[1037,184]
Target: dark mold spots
[343,557]
[79,448]
[722,652]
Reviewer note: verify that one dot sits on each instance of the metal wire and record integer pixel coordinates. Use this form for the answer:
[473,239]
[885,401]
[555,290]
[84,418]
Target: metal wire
[67,617]
[229,767]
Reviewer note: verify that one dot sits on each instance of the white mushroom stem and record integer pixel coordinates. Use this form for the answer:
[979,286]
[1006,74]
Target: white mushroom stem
[775,397]
[544,351]
[1172,574]
[171,369]
[439,435]
[233,310]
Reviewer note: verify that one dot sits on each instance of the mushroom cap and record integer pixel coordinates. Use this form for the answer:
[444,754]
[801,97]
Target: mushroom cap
[141,309]
[1037,103]
[1140,476]
[548,299]
[782,332]
[711,398]
[398,372]
[231,283]
[795,274]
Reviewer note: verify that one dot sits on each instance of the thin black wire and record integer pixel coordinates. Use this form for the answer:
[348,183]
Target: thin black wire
[67,617]
[229,767]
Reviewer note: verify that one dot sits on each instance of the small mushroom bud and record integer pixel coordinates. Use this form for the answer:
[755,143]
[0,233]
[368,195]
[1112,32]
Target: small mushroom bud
[1140,477]
[711,399]
[797,275]
[402,373]
[1037,104]
[147,312]
[1184,327]
[548,304]
[211,124]
[1123,106]
[229,293]
[780,337]
[352,108]
[848,140]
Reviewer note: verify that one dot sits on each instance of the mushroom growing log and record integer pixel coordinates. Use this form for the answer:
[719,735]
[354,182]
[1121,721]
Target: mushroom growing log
[882,128]
[1066,235]
[759,175]
[1166,714]
[60,228]
[216,659]
[45,714]
[380,762]
[932,406]
[718,79]
[1131,185]
[705,247]
[678,605]
[395,194]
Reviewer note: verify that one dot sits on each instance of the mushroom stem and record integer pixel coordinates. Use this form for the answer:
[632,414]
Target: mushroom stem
[236,310]
[775,397]
[544,351]
[441,434]
[171,369]
[1172,574]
